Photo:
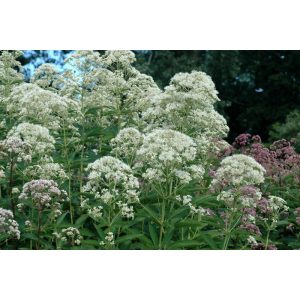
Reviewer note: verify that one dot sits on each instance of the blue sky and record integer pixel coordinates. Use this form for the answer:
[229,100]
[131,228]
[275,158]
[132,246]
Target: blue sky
[55,57]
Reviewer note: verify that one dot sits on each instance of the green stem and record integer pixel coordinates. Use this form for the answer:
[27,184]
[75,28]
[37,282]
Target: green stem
[39,229]
[227,239]
[81,173]
[69,173]
[163,211]
[267,240]
[13,207]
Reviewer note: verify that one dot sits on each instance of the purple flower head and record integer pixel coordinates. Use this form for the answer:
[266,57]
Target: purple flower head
[252,228]
[242,140]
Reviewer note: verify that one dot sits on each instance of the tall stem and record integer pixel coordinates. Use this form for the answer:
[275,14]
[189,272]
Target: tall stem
[12,202]
[267,240]
[69,173]
[227,239]
[39,229]
[162,221]
[228,232]
[81,173]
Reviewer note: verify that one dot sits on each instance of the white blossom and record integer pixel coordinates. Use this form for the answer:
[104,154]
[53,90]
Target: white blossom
[10,73]
[126,143]
[186,105]
[186,200]
[96,212]
[37,136]
[46,169]
[31,103]
[277,204]
[70,235]
[238,170]
[111,181]
[166,152]
[252,241]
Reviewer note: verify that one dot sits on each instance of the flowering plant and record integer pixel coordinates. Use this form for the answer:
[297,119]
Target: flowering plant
[97,156]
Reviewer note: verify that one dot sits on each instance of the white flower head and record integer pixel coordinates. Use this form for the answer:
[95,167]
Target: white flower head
[110,180]
[164,152]
[239,170]
[126,143]
[37,136]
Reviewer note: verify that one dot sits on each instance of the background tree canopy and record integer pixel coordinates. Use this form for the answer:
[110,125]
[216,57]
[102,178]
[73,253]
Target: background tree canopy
[258,88]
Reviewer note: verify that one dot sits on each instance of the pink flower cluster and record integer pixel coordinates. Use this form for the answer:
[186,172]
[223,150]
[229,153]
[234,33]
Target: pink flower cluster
[14,147]
[279,160]
[249,215]
[297,213]
[42,192]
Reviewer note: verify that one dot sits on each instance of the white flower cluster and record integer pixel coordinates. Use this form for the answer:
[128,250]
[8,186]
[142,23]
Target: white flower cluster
[16,149]
[84,60]
[46,169]
[9,72]
[110,180]
[208,123]
[238,170]
[70,235]
[227,197]
[8,226]
[126,210]
[96,212]
[126,143]
[244,196]
[44,194]
[108,88]
[277,204]
[252,241]
[197,84]
[187,105]
[128,96]
[15,190]
[119,59]
[140,89]
[37,136]
[29,102]
[45,76]
[28,223]
[81,76]
[166,152]
[164,147]
[109,239]
[187,201]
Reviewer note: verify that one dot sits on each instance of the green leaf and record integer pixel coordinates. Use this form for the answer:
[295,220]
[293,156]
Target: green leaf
[152,213]
[168,235]
[191,223]
[100,231]
[153,235]
[87,232]
[79,222]
[127,237]
[185,244]
[209,241]
[61,218]
[30,236]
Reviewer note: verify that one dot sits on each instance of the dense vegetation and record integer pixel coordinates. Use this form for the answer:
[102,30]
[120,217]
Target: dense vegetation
[98,156]
[257,88]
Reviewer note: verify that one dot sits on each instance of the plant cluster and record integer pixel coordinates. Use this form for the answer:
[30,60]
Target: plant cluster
[97,156]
